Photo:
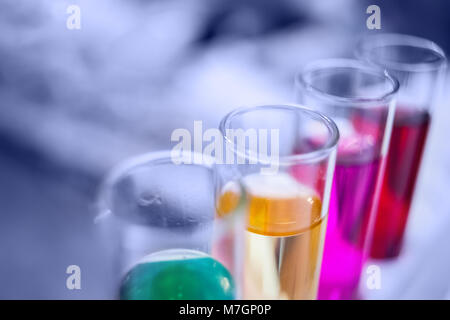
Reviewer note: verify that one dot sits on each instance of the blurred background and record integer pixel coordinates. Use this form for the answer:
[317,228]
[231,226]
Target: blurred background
[73,103]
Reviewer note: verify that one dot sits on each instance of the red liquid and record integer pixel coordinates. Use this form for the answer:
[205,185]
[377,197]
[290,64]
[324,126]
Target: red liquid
[405,152]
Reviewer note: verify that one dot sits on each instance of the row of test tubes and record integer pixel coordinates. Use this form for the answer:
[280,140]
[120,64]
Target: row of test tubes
[295,199]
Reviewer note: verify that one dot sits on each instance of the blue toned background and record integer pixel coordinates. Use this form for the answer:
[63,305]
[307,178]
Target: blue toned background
[73,103]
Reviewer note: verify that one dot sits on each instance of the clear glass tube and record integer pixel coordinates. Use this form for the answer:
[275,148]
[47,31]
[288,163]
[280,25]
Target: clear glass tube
[167,229]
[285,163]
[360,99]
[419,65]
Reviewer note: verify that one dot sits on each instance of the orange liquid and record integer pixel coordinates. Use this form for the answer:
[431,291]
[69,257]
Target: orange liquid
[283,216]
[227,203]
[284,239]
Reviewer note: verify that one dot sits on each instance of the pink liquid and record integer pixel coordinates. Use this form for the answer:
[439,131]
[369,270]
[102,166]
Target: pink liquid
[352,197]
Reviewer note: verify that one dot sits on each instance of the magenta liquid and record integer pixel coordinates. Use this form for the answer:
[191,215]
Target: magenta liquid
[352,196]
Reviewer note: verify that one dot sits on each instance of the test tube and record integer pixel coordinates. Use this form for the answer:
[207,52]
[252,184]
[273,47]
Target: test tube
[166,220]
[360,99]
[419,65]
[284,155]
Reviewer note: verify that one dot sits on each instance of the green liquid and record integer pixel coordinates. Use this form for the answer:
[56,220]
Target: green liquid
[178,275]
